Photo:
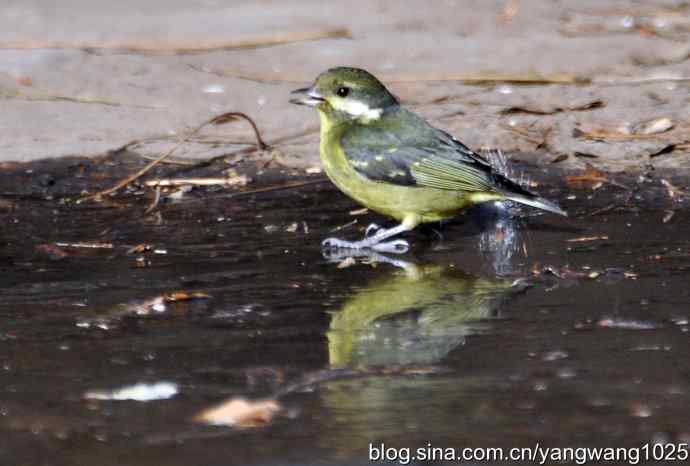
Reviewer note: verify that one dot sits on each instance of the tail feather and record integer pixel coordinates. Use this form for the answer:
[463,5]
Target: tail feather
[516,193]
[539,203]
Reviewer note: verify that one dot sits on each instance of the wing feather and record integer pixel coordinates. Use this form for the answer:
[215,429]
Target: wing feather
[410,152]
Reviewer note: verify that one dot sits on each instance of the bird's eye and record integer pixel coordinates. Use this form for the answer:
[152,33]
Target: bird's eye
[343,91]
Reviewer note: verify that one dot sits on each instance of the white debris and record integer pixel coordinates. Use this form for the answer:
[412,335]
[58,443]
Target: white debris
[137,392]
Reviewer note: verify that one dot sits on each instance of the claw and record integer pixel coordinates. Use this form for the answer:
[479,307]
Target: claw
[371,230]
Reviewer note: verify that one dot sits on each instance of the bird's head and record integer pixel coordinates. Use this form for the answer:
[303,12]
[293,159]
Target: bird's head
[347,94]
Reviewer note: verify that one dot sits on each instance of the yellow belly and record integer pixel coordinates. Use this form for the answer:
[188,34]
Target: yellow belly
[404,203]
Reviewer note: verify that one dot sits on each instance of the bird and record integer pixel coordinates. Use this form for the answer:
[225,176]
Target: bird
[395,163]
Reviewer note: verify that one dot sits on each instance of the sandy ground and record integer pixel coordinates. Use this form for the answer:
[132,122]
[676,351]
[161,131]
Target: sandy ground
[89,76]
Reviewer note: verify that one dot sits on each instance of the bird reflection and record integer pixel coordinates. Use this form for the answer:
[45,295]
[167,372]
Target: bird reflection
[411,315]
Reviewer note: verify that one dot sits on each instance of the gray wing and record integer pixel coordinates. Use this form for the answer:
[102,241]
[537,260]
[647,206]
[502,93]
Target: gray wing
[408,151]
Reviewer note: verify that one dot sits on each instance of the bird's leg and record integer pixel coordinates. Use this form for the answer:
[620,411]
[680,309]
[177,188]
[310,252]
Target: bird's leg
[375,241]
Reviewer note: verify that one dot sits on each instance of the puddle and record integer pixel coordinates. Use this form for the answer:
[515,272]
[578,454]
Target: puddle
[567,332]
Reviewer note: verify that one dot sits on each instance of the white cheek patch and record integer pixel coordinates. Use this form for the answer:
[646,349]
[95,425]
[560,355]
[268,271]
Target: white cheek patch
[357,109]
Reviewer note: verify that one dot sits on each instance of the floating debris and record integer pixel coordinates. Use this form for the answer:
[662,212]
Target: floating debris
[137,392]
[640,410]
[85,245]
[555,355]
[584,239]
[149,307]
[240,412]
[347,262]
[140,248]
[626,324]
[177,296]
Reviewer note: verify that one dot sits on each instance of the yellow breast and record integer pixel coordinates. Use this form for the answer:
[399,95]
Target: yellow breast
[404,203]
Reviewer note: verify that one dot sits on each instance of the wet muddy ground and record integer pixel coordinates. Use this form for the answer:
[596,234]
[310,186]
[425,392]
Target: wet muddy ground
[507,331]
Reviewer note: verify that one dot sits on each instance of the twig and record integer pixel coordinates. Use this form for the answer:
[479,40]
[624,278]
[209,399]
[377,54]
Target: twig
[584,239]
[156,200]
[604,135]
[525,134]
[183,163]
[267,189]
[85,245]
[37,95]
[232,181]
[342,227]
[605,209]
[488,77]
[315,378]
[254,77]
[298,184]
[246,150]
[217,120]
[623,81]
[614,205]
[159,47]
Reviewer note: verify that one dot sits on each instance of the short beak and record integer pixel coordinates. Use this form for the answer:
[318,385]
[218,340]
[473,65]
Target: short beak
[307,96]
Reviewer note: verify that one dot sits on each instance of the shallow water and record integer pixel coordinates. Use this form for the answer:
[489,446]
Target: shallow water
[502,333]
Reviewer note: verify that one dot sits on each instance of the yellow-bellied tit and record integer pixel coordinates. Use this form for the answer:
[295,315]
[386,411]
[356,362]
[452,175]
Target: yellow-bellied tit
[394,162]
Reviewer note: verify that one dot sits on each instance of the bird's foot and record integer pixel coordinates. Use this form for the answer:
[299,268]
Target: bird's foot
[365,256]
[374,240]
[398,246]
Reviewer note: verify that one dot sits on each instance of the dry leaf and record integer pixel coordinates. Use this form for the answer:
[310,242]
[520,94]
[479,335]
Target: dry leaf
[240,412]
[627,324]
